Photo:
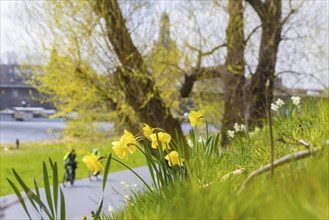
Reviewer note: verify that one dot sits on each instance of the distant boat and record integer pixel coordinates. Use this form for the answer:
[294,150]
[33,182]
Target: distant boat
[28,113]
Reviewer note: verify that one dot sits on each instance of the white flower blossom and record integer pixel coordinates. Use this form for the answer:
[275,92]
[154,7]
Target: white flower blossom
[236,127]
[230,133]
[254,132]
[189,142]
[127,197]
[201,139]
[124,184]
[134,185]
[274,107]
[295,100]
[111,210]
[242,127]
[279,102]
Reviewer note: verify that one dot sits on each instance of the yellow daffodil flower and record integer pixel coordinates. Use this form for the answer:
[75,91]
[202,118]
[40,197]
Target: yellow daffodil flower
[147,130]
[121,149]
[126,145]
[164,139]
[195,118]
[92,163]
[174,159]
[128,138]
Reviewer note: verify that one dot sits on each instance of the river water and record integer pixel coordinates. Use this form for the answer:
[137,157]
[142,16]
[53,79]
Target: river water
[46,130]
[29,130]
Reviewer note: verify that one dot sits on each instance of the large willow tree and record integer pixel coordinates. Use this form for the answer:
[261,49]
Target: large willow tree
[96,66]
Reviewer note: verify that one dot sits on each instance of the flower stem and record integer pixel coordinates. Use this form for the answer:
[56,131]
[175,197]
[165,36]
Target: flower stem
[133,172]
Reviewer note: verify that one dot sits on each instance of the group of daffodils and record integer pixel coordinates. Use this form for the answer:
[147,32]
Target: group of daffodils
[237,128]
[279,103]
[274,106]
[128,144]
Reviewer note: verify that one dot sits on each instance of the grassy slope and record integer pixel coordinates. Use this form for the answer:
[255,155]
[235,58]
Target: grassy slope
[27,161]
[298,190]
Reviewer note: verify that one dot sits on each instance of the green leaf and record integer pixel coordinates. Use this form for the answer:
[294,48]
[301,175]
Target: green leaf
[36,189]
[106,171]
[55,186]
[99,209]
[63,212]
[27,190]
[51,163]
[33,197]
[47,189]
[19,196]
[149,164]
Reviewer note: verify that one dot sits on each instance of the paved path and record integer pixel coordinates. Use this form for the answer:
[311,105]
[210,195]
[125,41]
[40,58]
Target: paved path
[85,194]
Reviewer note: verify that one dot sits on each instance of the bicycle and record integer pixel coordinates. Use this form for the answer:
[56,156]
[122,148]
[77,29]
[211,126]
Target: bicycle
[68,175]
[91,175]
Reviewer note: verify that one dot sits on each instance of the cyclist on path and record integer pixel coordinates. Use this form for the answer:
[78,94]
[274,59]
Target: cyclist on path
[95,153]
[69,160]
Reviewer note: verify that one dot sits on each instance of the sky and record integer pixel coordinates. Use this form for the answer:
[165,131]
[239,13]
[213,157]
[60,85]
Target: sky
[9,40]
[14,41]
[5,23]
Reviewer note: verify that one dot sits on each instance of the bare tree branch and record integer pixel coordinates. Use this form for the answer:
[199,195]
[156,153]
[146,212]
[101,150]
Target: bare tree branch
[214,49]
[251,33]
[303,75]
[200,74]
[291,12]
[258,6]
[201,54]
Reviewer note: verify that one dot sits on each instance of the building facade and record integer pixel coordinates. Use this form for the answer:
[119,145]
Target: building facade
[15,92]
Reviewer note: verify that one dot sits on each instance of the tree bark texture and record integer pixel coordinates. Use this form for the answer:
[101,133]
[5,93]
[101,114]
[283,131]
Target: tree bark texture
[134,79]
[235,83]
[269,13]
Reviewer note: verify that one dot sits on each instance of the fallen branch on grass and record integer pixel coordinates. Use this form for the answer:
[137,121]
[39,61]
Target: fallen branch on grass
[238,171]
[283,160]
[305,144]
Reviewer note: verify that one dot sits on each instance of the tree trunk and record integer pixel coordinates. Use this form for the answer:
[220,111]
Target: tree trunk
[234,105]
[270,15]
[235,82]
[134,79]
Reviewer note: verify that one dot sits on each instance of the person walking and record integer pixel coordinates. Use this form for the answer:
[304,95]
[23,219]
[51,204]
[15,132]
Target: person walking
[17,143]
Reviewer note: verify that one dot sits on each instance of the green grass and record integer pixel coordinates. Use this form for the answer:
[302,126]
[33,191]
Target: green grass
[298,190]
[27,161]
[300,195]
